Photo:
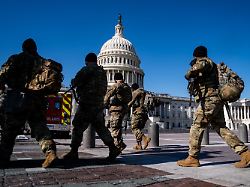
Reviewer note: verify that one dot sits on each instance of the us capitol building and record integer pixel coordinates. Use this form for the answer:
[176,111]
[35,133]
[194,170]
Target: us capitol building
[118,55]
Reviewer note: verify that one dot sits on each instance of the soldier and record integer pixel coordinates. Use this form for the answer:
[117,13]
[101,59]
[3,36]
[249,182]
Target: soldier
[139,116]
[91,87]
[20,105]
[117,99]
[210,110]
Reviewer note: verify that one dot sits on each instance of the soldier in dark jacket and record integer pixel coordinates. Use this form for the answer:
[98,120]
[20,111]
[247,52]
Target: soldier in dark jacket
[203,71]
[21,105]
[91,86]
[117,99]
[139,116]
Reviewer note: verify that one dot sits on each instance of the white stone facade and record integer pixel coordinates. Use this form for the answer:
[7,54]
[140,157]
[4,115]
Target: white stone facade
[118,55]
[175,112]
[240,112]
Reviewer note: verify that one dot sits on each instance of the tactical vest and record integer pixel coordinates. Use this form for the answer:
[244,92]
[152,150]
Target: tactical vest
[19,70]
[207,81]
[92,89]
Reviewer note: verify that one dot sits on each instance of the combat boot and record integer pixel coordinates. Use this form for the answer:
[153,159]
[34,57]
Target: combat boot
[113,153]
[122,146]
[138,146]
[145,141]
[245,160]
[72,155]
[50,158]
[190,161]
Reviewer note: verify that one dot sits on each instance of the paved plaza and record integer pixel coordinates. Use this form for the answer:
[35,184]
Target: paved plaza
[153,167]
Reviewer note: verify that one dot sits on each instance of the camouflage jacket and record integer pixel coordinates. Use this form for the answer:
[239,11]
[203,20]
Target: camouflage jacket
[91,85]
[18,70]
[137,102]
[114,96]
[204,76]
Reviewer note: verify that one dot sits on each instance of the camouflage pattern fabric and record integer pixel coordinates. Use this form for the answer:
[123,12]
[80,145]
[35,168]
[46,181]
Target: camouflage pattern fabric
[117,109]
[115,123]
[139,115]
[138,122]
[91,86]
[119,99]
[210,109]
[204,73]
[47,78]
[15,73]
[19,69]
[84,116]
[34,114]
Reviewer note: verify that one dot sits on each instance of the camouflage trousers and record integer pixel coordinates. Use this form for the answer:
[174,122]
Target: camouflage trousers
[115,123]
[86,115]
[34,115]
[210,111]
[138,122]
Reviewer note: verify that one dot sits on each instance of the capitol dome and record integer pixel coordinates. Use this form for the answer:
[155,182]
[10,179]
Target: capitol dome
[118,55]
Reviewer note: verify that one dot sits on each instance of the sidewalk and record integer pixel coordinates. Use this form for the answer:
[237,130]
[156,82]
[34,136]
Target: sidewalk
[152,167]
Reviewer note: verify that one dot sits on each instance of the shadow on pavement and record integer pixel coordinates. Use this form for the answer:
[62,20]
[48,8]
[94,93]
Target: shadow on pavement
[168,153]
[61,164]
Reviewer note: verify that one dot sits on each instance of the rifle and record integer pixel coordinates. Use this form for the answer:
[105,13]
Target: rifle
[74,93]
[190,89]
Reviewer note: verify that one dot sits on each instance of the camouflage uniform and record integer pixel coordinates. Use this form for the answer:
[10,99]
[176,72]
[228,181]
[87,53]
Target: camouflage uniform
[210,109]
[117,111]
[21,106]
[91,83]
[139,115]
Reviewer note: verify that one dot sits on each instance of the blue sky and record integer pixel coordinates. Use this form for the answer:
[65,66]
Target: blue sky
[164,33]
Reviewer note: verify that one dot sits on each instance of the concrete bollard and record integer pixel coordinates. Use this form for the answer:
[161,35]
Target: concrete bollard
[243,134]
[89,137]
[154,134]
[205,139]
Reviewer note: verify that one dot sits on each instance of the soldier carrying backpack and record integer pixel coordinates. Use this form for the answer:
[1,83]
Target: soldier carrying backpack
[117,99]
[209,93]
[22,104]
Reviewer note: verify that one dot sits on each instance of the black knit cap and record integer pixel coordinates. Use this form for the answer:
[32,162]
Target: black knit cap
[29,45]
[91,57]
[118,76]
[135,86]
[200,51]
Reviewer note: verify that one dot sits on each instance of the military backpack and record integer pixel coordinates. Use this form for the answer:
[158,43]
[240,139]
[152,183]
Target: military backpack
[47,78]
[230,84]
